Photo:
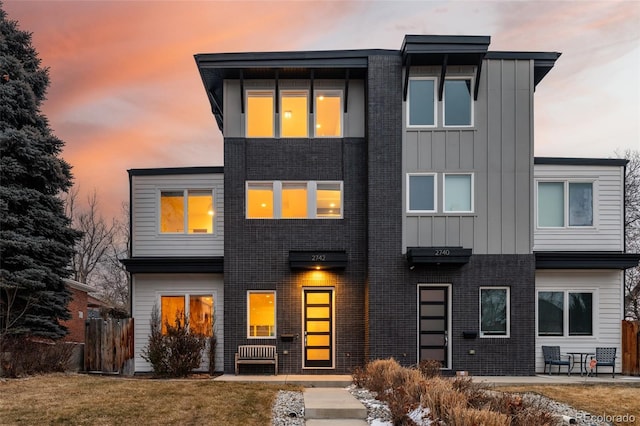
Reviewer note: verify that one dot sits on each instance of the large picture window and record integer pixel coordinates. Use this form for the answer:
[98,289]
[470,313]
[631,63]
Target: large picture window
[562,204]
[187,211]
[423,190]
[421,107]
[494,312]
[294,200]
[261,314]
[565,313]
[197,308]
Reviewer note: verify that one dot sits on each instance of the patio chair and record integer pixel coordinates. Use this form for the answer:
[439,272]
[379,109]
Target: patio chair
[606,357]
[552,357]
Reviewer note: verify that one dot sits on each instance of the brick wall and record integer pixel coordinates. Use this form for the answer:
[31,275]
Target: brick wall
[78,309]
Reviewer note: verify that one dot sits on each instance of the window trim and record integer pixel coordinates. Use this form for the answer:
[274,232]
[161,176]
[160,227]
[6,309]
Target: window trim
[435,105]
[275,314]
[312,212]
[444,192]
[471,101]
[481,333]
[187,305]
[185,207]
[435,192]
[260,93]
[595,303]
[565,195]
[328,92]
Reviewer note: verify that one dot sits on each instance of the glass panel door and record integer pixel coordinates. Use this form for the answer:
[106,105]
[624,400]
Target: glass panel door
[433,324]
[318,328]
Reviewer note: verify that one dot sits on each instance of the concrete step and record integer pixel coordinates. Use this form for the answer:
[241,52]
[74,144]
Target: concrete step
[335,422]
[332,403]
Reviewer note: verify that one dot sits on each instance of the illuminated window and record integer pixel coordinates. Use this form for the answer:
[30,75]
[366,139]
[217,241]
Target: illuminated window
[198,205]
[260,200]
[261,314]
[294,200]
[294,114]
[328,199]
[458,108]
[328,113]
[199,310]
[260,114]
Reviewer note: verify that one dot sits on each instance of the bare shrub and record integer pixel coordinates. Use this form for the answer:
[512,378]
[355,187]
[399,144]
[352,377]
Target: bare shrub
[359,376]
[440,398]
[430,368]
[176,352]
[24,356]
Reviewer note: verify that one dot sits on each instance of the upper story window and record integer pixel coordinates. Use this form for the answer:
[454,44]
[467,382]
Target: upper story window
[424,110]
[294,200]
[294,115]
[422,190]
[563,203]
[260,114]
[186,211]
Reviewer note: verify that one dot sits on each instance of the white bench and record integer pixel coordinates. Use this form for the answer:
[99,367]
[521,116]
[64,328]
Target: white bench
[257,354]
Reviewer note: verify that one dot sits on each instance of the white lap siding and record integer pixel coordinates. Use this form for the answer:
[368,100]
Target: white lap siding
[606,286]
[147,289]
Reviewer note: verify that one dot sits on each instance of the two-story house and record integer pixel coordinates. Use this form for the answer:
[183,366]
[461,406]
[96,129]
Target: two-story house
[382,203]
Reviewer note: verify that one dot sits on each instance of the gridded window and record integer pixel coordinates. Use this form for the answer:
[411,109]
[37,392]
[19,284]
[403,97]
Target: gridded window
[562,203]
[261,314]
[328,113]
[422,193]
[421,102]
[494,312]
[198,308]
[457,102]
[294,114]
[559,308]
[458,193]
[259,114]
[294,200]
[190,210]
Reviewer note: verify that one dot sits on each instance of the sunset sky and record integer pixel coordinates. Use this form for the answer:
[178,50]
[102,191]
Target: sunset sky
[125,91]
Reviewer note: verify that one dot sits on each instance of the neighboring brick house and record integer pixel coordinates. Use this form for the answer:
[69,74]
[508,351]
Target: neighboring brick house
[78,308]
[382,203]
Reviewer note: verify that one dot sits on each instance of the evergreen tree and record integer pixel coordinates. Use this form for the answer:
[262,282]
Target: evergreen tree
[36,240]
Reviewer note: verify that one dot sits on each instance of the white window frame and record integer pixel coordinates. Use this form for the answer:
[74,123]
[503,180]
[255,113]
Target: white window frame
[565,195]
[292,93]
[595,303]
[275,314]
[311,199]
[185,207]
[261,93]
[435,192]
[444,192]
[328,92]
[508,313]
[471,100]
[435,105]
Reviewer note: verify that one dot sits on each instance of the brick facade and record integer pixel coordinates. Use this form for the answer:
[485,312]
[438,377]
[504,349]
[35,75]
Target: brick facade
[78,309]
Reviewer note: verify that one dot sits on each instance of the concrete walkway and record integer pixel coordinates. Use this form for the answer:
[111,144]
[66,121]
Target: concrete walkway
[333,406]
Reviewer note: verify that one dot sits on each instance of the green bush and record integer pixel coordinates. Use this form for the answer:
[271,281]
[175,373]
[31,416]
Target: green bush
[176,352]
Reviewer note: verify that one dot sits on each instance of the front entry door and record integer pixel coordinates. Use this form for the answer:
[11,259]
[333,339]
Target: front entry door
[433,324]
[318,328]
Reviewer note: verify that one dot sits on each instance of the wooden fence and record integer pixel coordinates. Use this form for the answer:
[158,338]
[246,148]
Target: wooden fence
[631,348]
[109,346]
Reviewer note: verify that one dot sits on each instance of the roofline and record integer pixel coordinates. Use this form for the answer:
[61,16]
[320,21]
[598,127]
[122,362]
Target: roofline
[78,285]
[620,162]
[175,171]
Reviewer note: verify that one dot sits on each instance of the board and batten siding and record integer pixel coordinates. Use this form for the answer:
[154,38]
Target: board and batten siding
[147,241]
[498,150]
[607,316]
[607,234]
[147,289]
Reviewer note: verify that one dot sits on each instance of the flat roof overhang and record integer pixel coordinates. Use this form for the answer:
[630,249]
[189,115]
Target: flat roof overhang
[318,260]
[586,260]
[141,265]
[438,255]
